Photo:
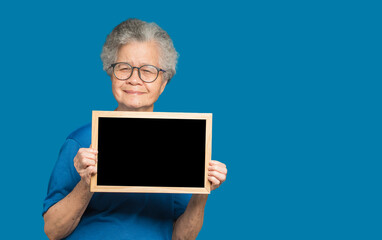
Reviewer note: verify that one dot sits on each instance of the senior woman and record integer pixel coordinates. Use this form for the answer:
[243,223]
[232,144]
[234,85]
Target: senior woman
[140,59]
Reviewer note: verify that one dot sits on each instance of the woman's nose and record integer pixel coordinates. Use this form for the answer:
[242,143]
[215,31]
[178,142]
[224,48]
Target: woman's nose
[135,79]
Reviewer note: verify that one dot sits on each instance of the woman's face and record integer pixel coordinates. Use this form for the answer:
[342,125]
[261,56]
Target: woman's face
[133,94]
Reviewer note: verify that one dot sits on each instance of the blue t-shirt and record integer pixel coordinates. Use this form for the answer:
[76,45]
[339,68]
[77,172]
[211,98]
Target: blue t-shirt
[113,215]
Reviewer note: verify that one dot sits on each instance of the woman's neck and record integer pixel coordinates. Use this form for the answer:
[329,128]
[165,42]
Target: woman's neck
[143,109]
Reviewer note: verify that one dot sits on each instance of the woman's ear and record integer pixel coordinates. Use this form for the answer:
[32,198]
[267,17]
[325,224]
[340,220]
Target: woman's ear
[163,86]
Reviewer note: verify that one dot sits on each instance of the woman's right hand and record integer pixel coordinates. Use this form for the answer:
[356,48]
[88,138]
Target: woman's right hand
[84,162]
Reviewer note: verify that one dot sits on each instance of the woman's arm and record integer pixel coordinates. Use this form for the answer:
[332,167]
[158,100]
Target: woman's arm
[189,224]
[63,217]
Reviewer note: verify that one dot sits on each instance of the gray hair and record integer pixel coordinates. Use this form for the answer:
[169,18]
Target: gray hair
[133,30]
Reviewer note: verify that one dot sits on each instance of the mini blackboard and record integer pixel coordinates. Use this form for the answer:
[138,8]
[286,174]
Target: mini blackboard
[151,152]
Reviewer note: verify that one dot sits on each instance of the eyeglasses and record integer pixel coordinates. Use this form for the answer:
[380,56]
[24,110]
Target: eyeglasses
[147,73]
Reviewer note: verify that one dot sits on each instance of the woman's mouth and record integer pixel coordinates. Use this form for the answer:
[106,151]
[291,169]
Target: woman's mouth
[133,92]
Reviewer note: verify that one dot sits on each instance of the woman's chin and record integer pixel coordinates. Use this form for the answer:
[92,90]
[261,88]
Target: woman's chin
[135,107]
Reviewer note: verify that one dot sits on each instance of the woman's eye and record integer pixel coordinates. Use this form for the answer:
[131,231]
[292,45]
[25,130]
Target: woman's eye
[148,71]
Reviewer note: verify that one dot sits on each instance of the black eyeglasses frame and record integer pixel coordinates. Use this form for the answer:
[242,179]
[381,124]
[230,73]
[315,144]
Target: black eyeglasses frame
[139,71]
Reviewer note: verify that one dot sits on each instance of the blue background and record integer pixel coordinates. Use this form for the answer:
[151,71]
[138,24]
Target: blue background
[294,88]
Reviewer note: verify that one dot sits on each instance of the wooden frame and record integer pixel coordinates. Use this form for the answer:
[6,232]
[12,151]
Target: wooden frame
[96,115]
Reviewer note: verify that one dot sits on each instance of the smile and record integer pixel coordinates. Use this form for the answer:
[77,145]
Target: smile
[133,92]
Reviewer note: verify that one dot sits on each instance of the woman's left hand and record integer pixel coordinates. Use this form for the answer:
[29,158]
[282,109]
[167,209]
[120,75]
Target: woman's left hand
[217,173]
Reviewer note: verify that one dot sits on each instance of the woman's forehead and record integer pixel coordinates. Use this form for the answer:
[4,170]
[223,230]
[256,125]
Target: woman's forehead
[139,53]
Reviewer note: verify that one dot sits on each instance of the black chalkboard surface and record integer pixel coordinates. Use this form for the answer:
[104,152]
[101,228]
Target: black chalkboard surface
[151,152]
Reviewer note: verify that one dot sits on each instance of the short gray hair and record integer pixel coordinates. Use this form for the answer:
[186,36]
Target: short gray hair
[133,30]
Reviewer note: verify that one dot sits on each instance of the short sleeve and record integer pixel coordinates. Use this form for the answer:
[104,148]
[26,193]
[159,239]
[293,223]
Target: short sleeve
[64,176]
[180,204]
